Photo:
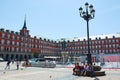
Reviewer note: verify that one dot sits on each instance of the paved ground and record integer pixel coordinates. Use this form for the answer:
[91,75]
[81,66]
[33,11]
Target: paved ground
[34,73]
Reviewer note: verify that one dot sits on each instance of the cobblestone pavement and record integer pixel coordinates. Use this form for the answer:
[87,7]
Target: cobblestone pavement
[35,73]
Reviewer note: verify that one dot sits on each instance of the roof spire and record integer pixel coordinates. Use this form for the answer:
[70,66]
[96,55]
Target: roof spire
[24,26]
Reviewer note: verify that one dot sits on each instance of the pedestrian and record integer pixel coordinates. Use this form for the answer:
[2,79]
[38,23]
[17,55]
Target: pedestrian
[8,64]
[85,70]
[91,68]
[18,64]
[12,61]
[77,69]
[26,62]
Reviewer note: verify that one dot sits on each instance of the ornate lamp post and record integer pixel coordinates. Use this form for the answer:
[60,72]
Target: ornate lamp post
[87,16]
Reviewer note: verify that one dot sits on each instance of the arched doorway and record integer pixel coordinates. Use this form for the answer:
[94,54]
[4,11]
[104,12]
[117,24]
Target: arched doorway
[29,56]
[21,57]
[7,57]
[1,55]
[25,57]
[12,56]
[16,57]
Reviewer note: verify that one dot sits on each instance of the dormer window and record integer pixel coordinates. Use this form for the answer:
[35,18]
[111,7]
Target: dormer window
[106,37]
[99,38]
[68,41]
[113,36]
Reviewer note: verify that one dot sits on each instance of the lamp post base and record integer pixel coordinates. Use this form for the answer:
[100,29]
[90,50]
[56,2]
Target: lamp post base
[89,59]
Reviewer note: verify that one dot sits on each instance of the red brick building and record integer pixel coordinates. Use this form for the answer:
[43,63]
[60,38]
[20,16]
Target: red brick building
[101,44]
[20,45]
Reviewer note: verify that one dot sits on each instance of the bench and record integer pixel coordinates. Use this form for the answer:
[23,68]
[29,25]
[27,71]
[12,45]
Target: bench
[89,74]
[99,73]
[96,73]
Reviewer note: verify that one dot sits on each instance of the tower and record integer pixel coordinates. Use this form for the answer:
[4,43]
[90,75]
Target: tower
[24,31]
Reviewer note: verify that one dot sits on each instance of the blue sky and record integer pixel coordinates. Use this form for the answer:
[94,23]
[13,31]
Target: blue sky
[55,19]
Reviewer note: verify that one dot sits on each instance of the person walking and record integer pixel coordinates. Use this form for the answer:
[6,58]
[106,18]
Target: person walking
[18,64]
[8,64]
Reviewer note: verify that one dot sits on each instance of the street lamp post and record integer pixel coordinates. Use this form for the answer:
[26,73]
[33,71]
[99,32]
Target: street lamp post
[87,16]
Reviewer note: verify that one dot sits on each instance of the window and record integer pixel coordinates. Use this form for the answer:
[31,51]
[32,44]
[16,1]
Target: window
[93,47]
[35,46]
[13,37]
[109,41]
[17,49]
[32,40]
[117,45]
[2,41]
[3,35]
[17,43]
[92,42]
[114,50]
[95,42]
[18,38]
[36,41]
[106,51]
[26,39]
[13,43]
[25,44]
[32,45]
[109,46]
[29,40]
[12,49]
[25,50]
[86,42]
[96,51]
[8,42]
[2,48]
[22,38]
[21,43]
[99,51]
[99,42]
[29,50]
[29,45]
[103,51]
[113,45]
[117,40]
[102,42]
[99,46]
[21,50]
[110,51]
[8,36]
[106,46]
[8,49]
[118,50]
[113,40]
[96,46]
[106,41]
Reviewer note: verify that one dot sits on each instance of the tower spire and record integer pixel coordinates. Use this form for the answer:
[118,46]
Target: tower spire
[24,26]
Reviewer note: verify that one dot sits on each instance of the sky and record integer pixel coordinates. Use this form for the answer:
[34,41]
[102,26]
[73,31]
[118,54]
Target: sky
[56,19]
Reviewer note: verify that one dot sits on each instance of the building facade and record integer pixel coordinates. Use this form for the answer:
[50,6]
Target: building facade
[21,45]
